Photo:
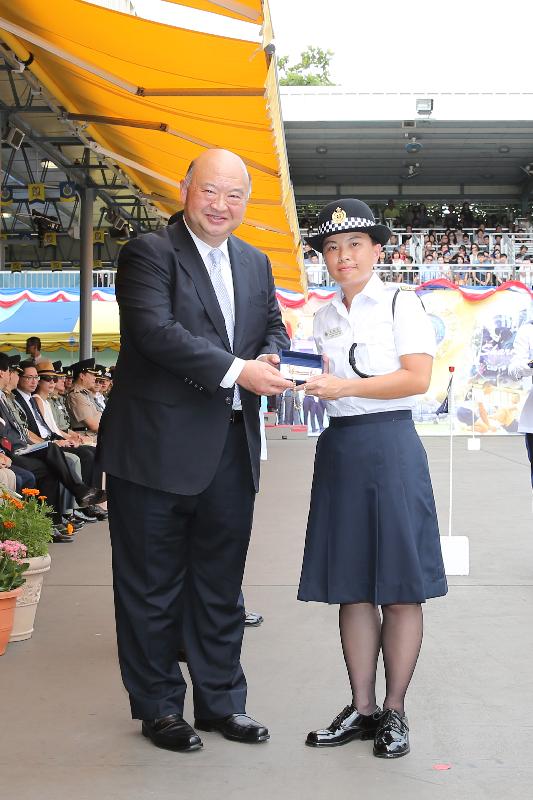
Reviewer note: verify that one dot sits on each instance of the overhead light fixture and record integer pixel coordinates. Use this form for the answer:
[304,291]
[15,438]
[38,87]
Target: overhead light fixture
[45,223]
[45,164]
[14,137]
[424,106]
[115,220]
[503,149]
[321,149]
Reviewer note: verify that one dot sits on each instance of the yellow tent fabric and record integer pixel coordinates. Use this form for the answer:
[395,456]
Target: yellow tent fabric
[155,96]
[248,10]
[106,326]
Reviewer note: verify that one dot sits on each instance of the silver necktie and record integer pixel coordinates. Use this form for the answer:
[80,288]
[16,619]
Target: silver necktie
[215,273]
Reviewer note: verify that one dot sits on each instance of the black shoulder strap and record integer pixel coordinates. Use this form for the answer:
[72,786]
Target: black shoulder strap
[395,296]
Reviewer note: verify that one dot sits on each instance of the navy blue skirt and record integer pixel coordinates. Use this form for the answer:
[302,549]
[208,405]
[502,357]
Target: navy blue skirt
[372,532]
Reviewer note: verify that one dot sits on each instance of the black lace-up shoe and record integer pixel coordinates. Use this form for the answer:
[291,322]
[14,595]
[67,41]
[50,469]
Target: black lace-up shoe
[172,733]
[236,727]
[348,725]
[392,736]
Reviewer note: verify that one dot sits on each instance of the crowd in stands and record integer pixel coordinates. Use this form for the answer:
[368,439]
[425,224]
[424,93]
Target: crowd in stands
[454,245]
[49,419]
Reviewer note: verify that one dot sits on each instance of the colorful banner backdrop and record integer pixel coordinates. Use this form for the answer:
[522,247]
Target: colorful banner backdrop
[475,330]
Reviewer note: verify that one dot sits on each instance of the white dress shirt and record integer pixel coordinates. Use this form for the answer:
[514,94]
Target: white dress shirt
[380,340]
[43,433]
[519,368]
[204,249]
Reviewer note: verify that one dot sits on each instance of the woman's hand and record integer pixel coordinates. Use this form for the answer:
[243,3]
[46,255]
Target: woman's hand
[326,387]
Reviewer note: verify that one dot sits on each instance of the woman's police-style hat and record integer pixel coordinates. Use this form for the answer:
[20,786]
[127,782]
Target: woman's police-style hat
[343,216]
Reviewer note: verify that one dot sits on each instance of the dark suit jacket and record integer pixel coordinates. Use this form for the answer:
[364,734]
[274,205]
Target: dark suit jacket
[28,410]
[167,418]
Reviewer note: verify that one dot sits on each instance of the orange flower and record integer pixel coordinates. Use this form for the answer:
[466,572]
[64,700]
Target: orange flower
[70,529]
[42,498]
[8,524]
[30,492]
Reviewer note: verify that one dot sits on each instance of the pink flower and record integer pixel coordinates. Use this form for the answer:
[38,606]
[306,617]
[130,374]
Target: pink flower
[16,551]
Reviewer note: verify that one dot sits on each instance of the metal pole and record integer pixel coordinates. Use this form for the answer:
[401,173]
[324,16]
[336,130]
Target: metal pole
[86,271]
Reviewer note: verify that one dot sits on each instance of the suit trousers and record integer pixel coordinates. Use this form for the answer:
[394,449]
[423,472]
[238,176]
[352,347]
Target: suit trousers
[160,540]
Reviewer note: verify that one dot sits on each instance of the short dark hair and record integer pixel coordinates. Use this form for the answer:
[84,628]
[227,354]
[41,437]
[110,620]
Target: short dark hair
[26,365]
[33,340]
[4,362]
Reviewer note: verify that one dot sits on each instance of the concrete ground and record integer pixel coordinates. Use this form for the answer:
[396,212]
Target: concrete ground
[66,731]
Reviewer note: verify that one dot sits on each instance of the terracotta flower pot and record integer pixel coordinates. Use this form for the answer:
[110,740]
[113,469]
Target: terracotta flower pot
[7,612]
[27,602]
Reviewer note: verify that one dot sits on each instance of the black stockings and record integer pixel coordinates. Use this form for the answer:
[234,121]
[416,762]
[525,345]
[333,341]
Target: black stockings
[363,635]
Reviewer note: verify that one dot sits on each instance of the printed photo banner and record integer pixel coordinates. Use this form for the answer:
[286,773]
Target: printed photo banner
[475,331]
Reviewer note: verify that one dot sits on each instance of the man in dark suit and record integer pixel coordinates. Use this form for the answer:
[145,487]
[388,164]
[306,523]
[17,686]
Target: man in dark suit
[180,442]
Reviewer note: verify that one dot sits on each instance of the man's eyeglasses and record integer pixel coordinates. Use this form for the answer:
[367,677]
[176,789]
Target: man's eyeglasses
[48,378]
[29,377]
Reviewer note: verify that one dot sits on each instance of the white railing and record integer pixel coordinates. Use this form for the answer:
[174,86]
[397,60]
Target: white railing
[460,274]
[45,279]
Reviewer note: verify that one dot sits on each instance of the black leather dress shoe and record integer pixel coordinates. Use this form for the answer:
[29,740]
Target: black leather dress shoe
[77,524]
[58,537]
[172,733]
[237,728]
[392,736]
[348,725]
[252,619]
[80,515]
[97,512]
[91,497]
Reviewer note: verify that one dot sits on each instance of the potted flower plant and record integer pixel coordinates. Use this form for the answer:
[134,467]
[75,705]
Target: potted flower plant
[12,568]
[29,521]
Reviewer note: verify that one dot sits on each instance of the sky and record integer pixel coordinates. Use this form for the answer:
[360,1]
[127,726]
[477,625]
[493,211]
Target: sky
[393,46]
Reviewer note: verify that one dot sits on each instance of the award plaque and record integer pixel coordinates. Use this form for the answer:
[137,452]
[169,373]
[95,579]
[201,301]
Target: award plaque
[299,367]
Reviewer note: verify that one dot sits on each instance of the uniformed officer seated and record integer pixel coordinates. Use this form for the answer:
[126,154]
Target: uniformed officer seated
[84,412]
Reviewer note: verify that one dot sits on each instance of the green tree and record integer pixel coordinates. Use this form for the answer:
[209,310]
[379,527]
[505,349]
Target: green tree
[312,70]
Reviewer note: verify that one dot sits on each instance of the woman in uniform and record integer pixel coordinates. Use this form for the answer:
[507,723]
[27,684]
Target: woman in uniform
[372,534]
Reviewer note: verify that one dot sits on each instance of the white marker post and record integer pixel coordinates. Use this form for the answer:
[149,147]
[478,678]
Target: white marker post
[455,549]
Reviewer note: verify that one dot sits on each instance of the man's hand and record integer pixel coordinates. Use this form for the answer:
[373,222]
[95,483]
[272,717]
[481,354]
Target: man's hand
[262,378]
[270,358]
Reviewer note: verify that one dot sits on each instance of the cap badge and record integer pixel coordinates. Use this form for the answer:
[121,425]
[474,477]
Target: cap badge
[339,215]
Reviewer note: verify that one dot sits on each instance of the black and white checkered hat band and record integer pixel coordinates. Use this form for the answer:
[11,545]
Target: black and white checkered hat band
[350,223]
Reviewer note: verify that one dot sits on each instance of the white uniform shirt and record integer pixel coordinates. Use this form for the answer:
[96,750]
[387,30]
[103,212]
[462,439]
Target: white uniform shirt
[519,368]
[380,341]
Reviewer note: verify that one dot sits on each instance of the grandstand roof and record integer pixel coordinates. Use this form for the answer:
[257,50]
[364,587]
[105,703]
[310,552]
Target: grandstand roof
[471,145]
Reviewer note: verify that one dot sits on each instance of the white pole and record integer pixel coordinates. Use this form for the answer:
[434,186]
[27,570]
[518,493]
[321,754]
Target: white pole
[450,413]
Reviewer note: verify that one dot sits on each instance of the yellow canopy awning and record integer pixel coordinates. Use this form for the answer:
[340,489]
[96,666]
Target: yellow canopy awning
[248,10]
[154,96]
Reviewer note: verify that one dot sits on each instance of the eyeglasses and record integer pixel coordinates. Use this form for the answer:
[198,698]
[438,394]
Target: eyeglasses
[29,377]
[48,378]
